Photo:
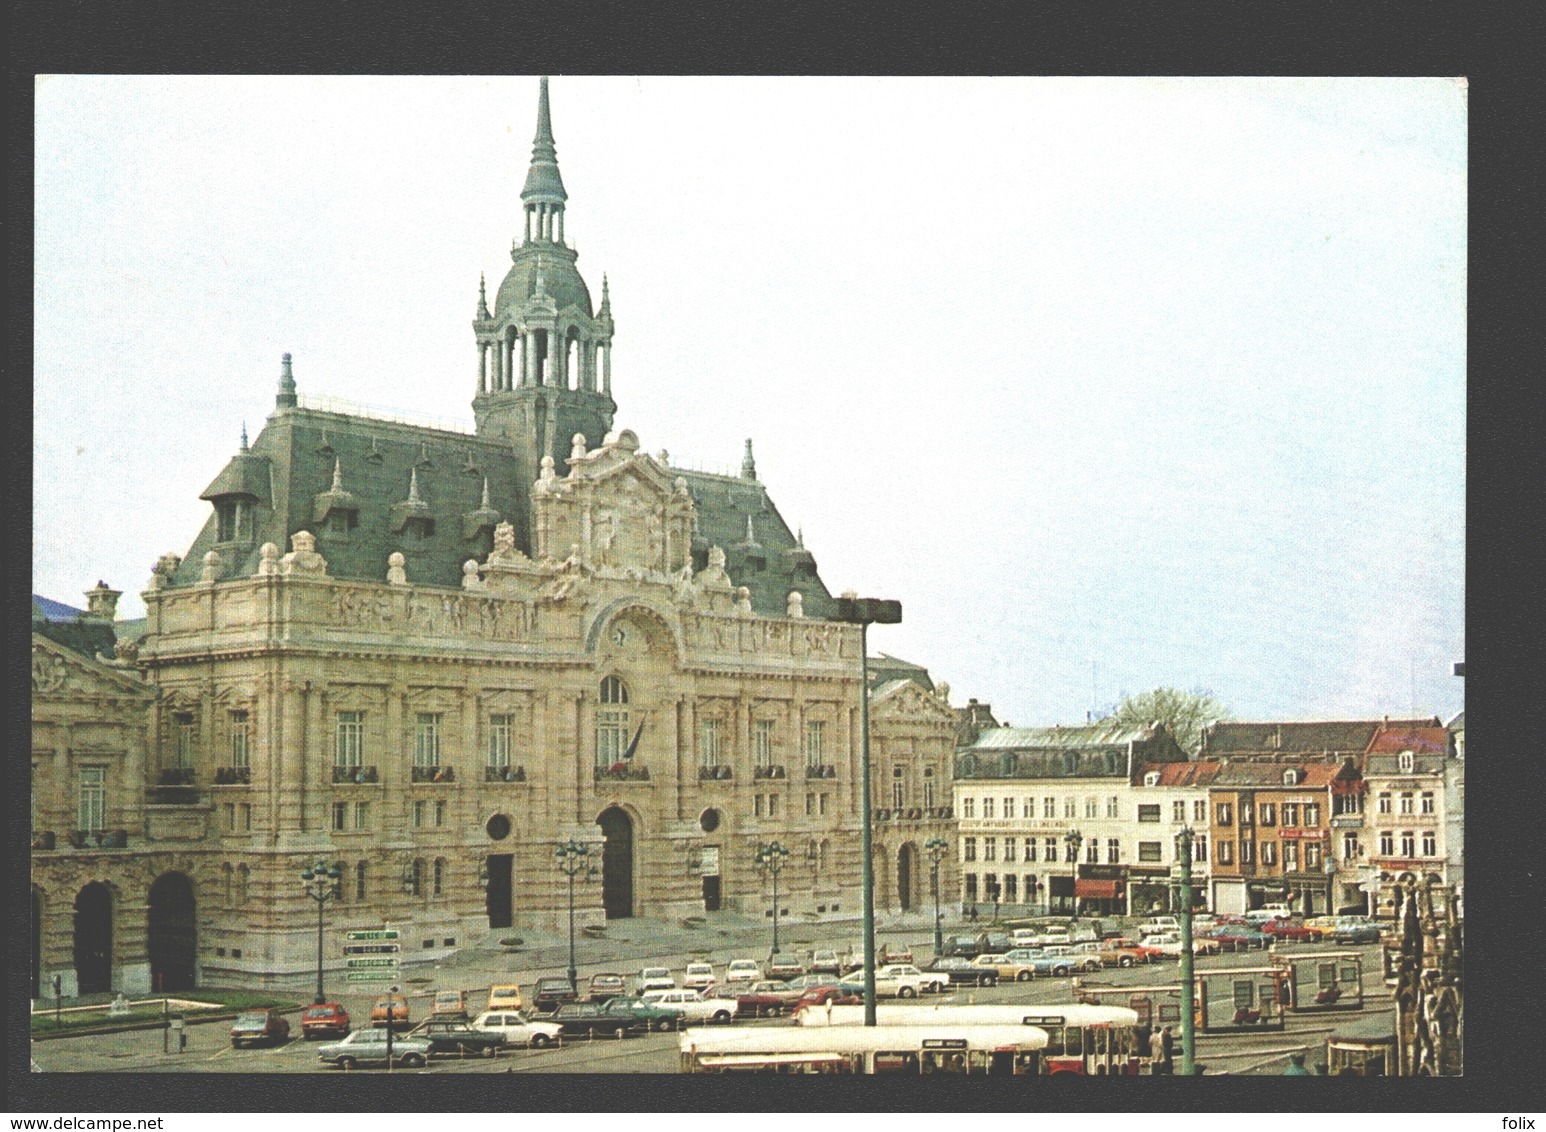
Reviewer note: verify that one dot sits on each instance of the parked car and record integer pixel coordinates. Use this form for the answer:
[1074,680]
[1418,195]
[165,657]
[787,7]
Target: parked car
[784,967]
[1237,937]
[458,1036]
[825,963]
[1169,945]
[588,1019]
[605,986]
[1292,931]
[550,993]
[1019,969]
[1050,966]
[1123,953]
[390,1009]
[1268,912]
[1353,932]
[517,1029]
[895,980]
[656,1015]
[958,969]
[893,953]
[1159,925]
[743,971]
[367,1046]
[656,978]
[820,996]
[768,997]
[692,1006]
[698,976]
[504,996]
[259,1028]
[324,1020]
[962,946]
[1081,960]
[449,1004]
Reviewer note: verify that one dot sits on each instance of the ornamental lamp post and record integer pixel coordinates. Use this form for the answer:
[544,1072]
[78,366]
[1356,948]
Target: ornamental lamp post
[1074,839]
[771,857]
[864,612]
[573,859]
[937,848]
[321,883]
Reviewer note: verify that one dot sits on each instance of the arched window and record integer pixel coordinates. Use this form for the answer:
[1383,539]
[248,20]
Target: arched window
[612,723]
[572,361]
[359,881]
[415,884]
[439,876]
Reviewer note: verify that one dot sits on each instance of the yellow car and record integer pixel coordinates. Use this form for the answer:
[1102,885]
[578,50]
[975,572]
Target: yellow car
[504,996]
[1006,968]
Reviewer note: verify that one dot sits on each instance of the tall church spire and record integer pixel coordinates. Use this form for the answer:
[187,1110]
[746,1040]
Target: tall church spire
[544,194]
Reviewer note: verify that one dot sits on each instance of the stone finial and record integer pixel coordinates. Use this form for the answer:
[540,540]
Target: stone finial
[664,457]
[268,559]
[102,601]
[679,486]
[748,465]
[484,506]
[942,690]
[126,650]
[743,601]
[548,475]
[413,486]
[577,447]
[245,447]
[396,574]
[211,569]
[483,311]
[470,578]
[714,574]
[286,398]
[606,297]
[161,573]
[303,557]
[504,541]
[796,604]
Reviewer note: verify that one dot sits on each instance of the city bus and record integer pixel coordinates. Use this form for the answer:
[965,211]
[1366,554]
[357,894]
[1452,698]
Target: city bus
[945,1048]
[1228,1000]
[1093,1040]
[1323,980]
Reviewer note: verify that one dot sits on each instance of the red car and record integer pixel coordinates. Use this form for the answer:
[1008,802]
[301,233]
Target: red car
[1289,930]
[766,997]
[820,996]
[325,1020]
[259,1028]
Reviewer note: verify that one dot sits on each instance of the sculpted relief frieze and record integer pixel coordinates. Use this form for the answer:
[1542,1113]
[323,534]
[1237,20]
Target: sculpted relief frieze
[819,639]
[436,614]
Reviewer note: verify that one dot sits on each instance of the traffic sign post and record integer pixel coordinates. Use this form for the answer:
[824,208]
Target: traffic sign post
[371,976]
[372,934]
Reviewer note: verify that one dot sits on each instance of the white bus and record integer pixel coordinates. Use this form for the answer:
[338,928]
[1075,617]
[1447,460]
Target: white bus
[1096,1040]
[943,1048]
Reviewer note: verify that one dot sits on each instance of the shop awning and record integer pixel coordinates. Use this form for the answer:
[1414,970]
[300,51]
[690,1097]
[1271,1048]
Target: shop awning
[1097,889]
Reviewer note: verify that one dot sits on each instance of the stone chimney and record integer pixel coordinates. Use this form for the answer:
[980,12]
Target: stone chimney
[103,602]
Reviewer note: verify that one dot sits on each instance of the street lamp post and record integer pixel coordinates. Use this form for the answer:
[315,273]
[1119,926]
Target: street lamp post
[321,882]
[1188,976]
[1074,839]
[863,612]
[573,859]
[772,857]
[937,847]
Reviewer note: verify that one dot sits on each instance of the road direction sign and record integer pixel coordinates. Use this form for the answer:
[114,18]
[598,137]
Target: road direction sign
[370,976]
[371,949]
[358,964]
[372,934]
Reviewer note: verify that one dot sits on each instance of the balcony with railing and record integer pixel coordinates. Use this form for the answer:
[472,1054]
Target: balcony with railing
[359,775]
[233,775]
[623,772]
[96,839]
[718,773]
[436,773]
[773,770]
[175,786]
[504,774]
[820,770]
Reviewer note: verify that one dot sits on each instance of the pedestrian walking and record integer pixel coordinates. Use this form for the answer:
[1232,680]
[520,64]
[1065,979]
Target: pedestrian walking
[1156,1052]
[1168,1051]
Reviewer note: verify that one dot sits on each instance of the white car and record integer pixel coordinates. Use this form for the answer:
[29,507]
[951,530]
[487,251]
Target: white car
[1169,945]
[743,971]
[1268,912]
[895,980]
[698,976]
[696,1010]
[1159,925]
[1081,959]
[518,1030]
[656,978]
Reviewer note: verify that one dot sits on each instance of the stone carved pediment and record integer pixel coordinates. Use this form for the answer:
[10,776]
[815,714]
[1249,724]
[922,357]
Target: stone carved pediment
[58,672]
[909,701]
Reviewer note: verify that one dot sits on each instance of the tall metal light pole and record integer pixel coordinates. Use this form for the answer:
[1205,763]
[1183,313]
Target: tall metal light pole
[322,884]
[573,859]
[865,611]
[937,847]
[1074,839]
[772,857]
[1188,976]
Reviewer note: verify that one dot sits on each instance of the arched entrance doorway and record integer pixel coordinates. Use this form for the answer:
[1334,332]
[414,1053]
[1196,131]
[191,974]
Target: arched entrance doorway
[616,863]
[37,944]
[172,939]
[94,939]
[906,871]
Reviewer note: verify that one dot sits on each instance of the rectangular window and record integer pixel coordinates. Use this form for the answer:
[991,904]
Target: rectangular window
[987,808]
[1050,849]
[340,815]
[1149,812]
[1406,803]
[611,734]
[762,742]
[928,789]
[1091,807]
[1200,810]
[1290,856]
[1226,814]
[1291,815]
[815,742]
[184,737]
[1247,816]
[230,817]
[1349,846]
[1408,844]
[772,805]
[756,805]
[709,736]
[245,809]
[969,849]
[1269,852]
[968,807]
[92,798]
[1427,803]
[501,730]
[1009,807]
[1009,849]
[240,753]
[1178,812]
[350,747]
[420,810]
[898,795]
[1113,851]
[990,848]
[225,521]
[1268,813]
[1226,852]
[1247,852]
[1011,888]
[971,886]
[362,815]
[1312,815]
[810,805]
[1430,844]
[821,804]
[1387,843]
[1312,855]
[1030,848]
[1092,851]
[426,739]
[1070,808]
[1200,848]
[1049,807]
[1384,804]
[1151,851]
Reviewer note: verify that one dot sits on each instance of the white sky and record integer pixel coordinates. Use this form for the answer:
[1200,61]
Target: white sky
[1114,383]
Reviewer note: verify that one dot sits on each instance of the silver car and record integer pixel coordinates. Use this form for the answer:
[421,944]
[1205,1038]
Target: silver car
[370,1045]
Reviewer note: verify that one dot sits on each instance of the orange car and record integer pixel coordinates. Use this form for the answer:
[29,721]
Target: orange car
[390,1009]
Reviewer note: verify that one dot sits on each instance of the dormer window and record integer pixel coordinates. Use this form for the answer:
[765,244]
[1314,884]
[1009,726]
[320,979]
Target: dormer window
[1290,778]
[419,530]
[1152,778]
[341,522]
[233,519]
[1405,761]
